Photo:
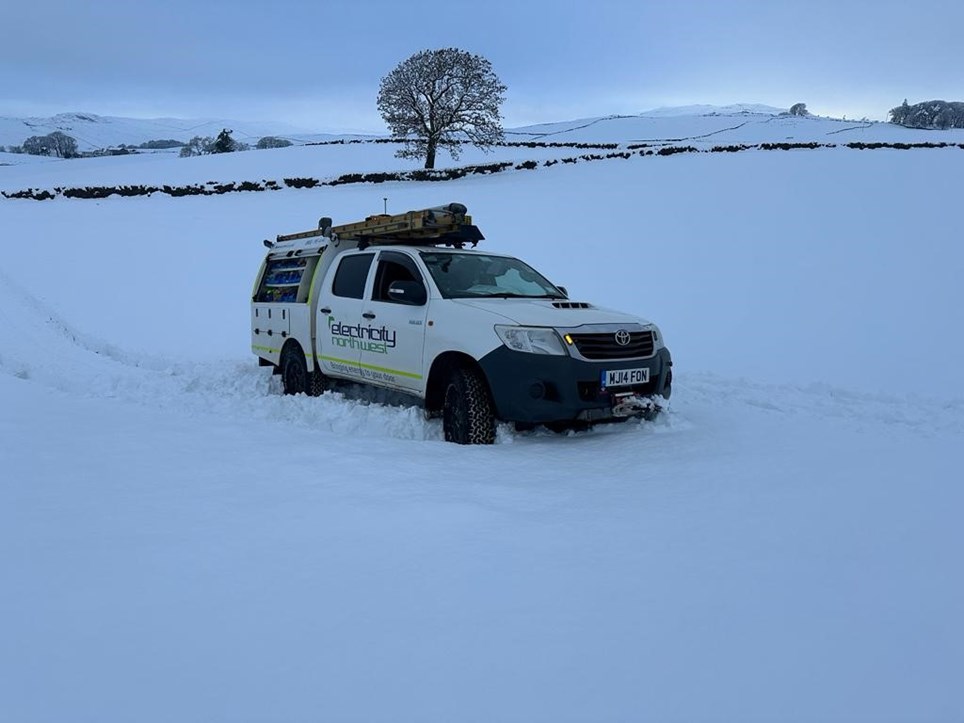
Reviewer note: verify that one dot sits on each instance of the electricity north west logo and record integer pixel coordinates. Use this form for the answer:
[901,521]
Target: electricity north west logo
[377,340]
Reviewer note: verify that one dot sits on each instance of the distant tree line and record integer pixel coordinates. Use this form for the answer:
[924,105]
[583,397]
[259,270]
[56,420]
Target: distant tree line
[61,145]
[205,145]
[225,143]
[162,144]
[933,114]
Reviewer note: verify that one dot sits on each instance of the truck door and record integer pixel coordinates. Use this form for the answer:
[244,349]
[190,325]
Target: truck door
[340,329]
[396,325]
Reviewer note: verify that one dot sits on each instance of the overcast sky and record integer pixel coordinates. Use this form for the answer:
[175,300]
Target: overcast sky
[318,64]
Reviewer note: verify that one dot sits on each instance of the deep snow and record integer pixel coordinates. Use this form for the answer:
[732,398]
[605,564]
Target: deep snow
[180,542]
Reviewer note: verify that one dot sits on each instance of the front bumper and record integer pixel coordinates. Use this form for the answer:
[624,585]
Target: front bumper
[540,388]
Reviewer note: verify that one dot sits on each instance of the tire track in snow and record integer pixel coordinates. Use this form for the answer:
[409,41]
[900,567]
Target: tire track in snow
[39,346]
[823,402]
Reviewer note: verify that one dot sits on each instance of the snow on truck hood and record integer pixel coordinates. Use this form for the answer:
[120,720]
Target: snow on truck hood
[541,312]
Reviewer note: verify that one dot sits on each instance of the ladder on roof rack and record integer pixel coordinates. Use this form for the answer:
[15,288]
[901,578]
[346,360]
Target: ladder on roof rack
[449,225]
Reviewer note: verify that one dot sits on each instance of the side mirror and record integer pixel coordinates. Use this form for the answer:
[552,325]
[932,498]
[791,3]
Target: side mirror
[407,292]
[563,289]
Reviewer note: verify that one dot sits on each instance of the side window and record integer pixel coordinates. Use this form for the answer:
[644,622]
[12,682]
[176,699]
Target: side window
[351,276]
[393,266]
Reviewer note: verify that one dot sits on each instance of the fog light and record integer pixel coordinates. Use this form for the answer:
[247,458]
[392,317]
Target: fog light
[537,390]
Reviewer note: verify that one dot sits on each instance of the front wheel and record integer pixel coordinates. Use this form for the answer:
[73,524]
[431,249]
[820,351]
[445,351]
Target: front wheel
[467,415]
[317,382]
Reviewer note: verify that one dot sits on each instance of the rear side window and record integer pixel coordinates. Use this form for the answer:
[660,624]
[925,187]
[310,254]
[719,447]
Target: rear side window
[351,276]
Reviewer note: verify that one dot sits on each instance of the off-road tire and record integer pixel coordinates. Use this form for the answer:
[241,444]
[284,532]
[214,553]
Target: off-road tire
[317,382]
[294,370]
[467,414]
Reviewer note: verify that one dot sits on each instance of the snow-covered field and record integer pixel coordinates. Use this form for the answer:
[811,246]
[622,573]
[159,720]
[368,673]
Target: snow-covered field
[656,129]
[180,542]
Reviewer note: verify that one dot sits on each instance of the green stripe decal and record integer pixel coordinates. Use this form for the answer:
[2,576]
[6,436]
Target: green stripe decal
[265,348]
[311,284]
[370,366]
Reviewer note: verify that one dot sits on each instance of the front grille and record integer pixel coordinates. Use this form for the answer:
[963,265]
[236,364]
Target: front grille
[605,346]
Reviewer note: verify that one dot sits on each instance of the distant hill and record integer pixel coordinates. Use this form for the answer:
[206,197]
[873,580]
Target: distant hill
[700,126]
[94,132]
[734,109]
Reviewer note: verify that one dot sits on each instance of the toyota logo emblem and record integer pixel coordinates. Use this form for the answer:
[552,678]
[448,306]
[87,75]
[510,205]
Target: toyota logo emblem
[623,337]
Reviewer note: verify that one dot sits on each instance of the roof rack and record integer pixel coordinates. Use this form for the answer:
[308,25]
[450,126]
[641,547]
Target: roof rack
[448,225]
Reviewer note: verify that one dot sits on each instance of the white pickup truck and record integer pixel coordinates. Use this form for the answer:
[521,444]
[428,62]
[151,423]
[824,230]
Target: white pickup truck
[399,302]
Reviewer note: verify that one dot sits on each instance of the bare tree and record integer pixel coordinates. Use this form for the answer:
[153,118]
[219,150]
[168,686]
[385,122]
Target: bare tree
[53,144]
[197,146]
[439,98]
[63,145]
[799,109]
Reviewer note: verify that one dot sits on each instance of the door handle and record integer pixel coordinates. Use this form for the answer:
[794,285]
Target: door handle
[325,310]
[368,315]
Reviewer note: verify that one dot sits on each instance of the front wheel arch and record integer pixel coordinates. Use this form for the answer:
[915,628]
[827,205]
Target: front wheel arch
[438,377]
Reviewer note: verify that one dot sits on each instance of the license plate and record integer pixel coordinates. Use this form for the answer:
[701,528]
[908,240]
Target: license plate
[625,377]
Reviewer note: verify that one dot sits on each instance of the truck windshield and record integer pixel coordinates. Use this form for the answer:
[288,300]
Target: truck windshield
[478,275]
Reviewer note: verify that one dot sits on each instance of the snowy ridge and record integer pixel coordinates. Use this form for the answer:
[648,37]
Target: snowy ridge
[703,109]
[737,127]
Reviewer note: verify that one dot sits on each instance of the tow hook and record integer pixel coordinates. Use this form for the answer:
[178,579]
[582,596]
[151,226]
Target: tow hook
[631,404]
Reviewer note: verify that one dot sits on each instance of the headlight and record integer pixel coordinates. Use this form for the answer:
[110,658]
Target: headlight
[531,339]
